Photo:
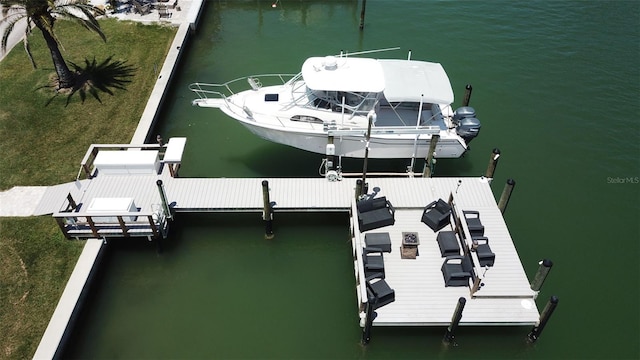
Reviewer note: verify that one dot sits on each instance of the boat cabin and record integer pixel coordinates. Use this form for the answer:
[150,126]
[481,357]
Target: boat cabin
[359,85]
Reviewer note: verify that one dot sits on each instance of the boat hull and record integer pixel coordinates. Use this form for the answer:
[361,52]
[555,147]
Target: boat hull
[398,105]
[354,147]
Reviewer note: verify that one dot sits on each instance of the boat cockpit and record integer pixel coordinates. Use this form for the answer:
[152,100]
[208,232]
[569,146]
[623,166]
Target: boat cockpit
[354,103]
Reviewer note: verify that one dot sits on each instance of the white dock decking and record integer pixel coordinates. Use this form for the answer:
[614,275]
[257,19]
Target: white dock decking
[223,194]
[421,298]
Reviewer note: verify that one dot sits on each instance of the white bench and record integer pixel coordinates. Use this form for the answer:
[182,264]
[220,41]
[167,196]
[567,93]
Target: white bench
[173,154]
[116,206]
[127,162]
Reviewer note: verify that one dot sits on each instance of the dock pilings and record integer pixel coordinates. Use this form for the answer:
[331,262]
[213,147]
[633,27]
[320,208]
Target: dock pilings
[493,162]
[167,211]
[370,315]
[467,95]
[371,119]
[361,189]
[506,195]
[541,275]
[536,285]
[449,335]
[163,198]
[544,318]
[267,211]
[159,246]
[364,6]
[430,161]
[330,154]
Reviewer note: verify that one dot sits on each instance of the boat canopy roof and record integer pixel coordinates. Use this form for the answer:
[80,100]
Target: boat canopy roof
[400,80]
[343,74]
[406,80]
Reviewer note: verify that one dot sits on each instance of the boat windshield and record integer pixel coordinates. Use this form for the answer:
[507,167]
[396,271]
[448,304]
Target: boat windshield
[354,102]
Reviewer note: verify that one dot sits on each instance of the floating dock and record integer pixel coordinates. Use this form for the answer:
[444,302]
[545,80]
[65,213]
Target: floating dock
[126,199]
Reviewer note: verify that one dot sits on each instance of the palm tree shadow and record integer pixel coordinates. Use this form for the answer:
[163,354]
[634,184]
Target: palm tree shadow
[94,78]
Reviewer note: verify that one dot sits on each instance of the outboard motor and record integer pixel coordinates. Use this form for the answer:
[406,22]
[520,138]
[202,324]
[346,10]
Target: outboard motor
[467,125]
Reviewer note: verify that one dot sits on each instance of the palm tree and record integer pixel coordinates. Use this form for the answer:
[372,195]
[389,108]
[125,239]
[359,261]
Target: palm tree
[42,14]
[94,78]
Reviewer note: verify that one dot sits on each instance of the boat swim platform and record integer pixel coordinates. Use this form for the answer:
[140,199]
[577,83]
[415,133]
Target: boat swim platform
[499,295]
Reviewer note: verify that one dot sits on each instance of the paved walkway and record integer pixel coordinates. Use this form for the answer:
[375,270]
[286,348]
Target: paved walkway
[21,200]
[24,200]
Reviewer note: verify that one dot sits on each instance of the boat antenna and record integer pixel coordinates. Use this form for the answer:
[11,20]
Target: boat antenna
[368,51]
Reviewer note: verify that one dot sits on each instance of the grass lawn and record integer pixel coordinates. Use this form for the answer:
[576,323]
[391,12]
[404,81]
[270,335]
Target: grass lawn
[43,145]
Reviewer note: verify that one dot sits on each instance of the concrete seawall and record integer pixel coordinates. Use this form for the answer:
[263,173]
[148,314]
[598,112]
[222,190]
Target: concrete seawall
[61,323]
[150,114]
[156,99]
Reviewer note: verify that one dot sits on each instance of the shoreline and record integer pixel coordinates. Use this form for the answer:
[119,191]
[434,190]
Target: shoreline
[61,322]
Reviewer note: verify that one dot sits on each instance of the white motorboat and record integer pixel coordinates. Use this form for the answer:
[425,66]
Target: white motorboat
[338,102]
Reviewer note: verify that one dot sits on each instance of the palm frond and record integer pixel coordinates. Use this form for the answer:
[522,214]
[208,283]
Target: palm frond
[72,11]
[9,21]
[43,15]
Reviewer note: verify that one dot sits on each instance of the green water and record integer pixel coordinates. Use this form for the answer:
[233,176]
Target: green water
[556,86]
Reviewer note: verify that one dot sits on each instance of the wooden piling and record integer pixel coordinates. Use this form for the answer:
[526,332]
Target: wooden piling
[370,315]
[541,275]
[154,228]
[267,211]
[506,195]
[92,225]
[449,335]
[493,162]
[364,6]
[370,118]
[330,154]
[157,235]
[467,95]
[123,226]
[544,318]
[358,189]
[429,163]
[159,245]
[163,198]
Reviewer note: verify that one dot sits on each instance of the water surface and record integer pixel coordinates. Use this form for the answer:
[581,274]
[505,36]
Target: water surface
[556,86]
